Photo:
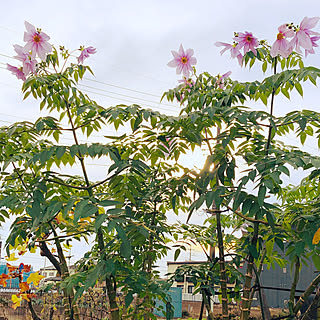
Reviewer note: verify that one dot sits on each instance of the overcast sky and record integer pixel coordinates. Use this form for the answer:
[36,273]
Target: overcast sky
[134,40]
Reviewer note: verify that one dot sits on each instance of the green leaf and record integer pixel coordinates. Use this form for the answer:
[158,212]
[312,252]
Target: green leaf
[253,251]
[279,242]
[99,221]
[316,260]
[284,170]
[285,92]
[125,249]
[299,88]
[108,203]
[60,151]
[128,299]
[264,66]
[303,137]
[270,219]
[209,198]
[177,254]
[269,247]
[79,210]
[261,194]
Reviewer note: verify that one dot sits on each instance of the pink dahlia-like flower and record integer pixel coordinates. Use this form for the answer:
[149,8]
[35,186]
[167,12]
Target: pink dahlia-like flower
[282,46]
[85,52]
[247,41]
[234,50]
[29,64]
[18,72]
[314,44]
[183,61]
[188,82]
[220,80]
[37,41]
[303,34]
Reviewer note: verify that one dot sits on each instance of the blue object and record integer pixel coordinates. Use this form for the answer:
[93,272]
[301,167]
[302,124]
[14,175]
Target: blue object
[175,295]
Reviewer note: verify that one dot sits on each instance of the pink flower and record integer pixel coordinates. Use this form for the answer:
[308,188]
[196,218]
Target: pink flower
[303,33]
[85,52]
[17,72]
[188,82]
[234,50]
[247,41]
[282,46]
[314,44]
[37,41]
[29,64]
[183,61]
[220,80]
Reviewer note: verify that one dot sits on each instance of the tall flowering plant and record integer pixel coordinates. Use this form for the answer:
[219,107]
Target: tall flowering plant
[219,122]
[34,53]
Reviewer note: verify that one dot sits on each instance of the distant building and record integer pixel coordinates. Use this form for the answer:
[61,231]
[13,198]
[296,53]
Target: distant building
[275,281]
[190,302]
[51,275]
[12,284]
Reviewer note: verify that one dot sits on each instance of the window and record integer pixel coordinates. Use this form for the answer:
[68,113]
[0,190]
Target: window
[190,289]
[284,270]
[51,274]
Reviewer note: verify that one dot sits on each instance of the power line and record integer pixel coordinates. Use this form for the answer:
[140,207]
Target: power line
[124,88]
[126,100]
[159,106]
[124,95]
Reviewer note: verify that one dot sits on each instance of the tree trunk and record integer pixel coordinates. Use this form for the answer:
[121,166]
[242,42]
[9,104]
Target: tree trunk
[311,314]
[246,302]
[223,276]
[294,285]
[207,304]
[312,286]
[33,313]
[111,292]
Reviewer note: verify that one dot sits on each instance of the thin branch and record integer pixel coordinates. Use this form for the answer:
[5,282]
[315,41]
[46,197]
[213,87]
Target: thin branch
[247,218]
[66,184]
[87,187]
[62,237]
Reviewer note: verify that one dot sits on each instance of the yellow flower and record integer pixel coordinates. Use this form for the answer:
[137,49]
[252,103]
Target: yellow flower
[12,257]
[35,278]
[316,237]
[16,301]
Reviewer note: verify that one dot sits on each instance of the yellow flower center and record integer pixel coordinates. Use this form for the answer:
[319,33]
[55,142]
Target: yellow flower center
[249,39]
[280,36]
[36,38]
[184,60]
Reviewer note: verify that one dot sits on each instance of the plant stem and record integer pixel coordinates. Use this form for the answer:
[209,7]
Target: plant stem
[315,302]
[33,313]
[207,304]
[111,289]
[245,308]
[312,286]
[71,312]
[246,302]
[271,108]
[294,285]
[257,284]
[223,276]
